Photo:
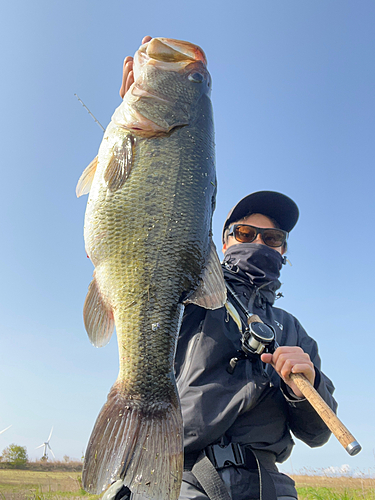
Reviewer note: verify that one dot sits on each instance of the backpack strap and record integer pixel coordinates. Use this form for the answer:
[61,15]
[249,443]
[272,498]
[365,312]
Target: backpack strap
[217,457]
[209,479]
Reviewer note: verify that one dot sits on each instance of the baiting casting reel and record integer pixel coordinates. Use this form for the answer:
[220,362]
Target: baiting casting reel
[258,338]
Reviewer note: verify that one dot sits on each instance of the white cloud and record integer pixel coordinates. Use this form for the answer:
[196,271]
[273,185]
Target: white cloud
[344,470]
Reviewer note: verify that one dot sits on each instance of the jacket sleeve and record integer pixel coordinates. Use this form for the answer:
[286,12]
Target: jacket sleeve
[304,421]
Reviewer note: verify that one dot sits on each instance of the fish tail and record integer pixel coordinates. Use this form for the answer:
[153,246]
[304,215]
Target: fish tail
[140,443]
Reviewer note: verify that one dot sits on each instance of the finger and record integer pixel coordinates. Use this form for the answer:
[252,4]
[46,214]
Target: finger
[129,81]
[307,370]
[127,59]
[296,355]
[127,72]
[288,351]
[127,68]
[128,63]
[295,366]
[284,367]
[287,361]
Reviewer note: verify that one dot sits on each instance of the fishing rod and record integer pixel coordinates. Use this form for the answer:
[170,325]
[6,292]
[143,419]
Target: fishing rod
[89,112]
[258,338]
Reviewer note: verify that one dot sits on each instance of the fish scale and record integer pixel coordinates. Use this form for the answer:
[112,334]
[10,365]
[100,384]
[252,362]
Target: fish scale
[148,234]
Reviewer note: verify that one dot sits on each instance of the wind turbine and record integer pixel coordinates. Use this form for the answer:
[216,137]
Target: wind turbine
[5,429]
[46,446]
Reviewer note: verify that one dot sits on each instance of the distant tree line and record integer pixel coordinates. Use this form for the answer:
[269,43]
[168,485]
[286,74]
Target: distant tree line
[15,456]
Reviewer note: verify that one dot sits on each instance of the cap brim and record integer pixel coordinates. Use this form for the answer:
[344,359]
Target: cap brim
[272,204]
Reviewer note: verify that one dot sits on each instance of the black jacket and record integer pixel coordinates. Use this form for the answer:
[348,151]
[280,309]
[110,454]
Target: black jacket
[251,406]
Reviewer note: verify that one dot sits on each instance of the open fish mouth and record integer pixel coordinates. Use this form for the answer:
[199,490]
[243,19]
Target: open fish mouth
[152,59]
[168,54]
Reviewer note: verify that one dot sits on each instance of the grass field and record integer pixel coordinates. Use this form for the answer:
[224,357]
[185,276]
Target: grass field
[65,485]
[334,488]
[42,485]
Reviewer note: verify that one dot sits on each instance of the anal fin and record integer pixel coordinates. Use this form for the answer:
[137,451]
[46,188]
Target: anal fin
[211,292]
[97,316]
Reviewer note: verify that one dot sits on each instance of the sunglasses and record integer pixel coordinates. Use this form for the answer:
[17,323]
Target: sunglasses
[244,233]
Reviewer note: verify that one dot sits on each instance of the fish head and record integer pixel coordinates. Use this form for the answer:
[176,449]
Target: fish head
[170,78]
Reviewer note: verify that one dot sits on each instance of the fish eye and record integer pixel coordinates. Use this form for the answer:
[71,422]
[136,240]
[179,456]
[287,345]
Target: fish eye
[196,77]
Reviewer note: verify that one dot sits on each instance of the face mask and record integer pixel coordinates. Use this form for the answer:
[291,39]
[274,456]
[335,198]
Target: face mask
[260,263]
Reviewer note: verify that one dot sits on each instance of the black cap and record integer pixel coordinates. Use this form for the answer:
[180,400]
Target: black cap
[270,203]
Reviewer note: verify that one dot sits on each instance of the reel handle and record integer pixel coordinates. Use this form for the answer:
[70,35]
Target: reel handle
[331,420]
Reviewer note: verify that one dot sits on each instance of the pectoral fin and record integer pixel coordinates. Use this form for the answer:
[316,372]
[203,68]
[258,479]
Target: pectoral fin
[85,181]
[120,164]
[232,311]
[97,316]
[211,293]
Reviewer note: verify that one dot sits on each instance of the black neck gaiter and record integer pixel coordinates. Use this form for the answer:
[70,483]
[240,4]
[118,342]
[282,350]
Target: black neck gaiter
[256,264]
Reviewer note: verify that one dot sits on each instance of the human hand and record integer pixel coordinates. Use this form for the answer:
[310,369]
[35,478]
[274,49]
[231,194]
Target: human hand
[127,72]
[291,359]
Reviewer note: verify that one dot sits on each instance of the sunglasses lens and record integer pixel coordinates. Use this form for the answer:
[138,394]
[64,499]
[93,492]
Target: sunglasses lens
[273,237]
[245,234]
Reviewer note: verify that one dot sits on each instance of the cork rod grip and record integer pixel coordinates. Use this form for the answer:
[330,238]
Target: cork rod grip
[331,420]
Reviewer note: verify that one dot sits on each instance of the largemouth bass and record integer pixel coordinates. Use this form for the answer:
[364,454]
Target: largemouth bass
[148,233]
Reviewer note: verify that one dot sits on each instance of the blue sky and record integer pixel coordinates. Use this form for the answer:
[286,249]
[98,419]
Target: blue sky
[294,105]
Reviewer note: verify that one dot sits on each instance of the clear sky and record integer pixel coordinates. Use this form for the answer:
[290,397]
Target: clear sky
[294,105]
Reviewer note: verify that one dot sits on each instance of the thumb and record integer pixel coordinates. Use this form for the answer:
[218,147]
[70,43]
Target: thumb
[266,357]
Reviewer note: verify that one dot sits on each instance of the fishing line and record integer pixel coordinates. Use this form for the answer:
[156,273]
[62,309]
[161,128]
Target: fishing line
[84,105]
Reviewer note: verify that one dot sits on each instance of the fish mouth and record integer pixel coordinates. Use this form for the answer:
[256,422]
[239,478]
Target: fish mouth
[168,54]
[163,54]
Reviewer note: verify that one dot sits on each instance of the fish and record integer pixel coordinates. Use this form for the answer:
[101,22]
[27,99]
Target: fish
[148,233]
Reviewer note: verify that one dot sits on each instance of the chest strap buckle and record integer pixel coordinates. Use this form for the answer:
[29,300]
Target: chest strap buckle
[223,456]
